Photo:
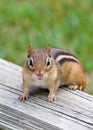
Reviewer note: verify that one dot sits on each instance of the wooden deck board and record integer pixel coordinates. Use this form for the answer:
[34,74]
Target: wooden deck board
[72,109]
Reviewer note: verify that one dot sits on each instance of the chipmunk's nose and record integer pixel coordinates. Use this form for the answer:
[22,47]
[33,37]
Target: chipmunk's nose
[40,75]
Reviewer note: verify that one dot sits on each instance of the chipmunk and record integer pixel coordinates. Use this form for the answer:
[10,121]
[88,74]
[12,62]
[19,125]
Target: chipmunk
[51,68]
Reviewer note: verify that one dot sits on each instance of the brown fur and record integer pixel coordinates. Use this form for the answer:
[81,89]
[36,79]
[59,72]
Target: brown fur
[72,74]
[69,73]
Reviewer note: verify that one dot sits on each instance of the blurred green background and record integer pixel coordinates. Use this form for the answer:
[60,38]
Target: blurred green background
[65,24]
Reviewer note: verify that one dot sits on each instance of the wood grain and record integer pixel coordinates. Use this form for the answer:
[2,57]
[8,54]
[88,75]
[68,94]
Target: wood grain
[72,109]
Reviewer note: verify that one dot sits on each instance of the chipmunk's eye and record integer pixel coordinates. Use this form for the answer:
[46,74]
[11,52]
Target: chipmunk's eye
[31,62]
[48,62]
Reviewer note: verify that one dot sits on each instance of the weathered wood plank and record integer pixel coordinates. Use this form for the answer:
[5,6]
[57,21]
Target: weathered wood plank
[39,112]
[16,119]
[71,110]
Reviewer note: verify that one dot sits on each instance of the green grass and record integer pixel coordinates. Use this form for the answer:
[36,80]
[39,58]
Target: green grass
[63,24]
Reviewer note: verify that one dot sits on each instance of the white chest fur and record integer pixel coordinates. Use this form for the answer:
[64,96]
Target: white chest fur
[40,83]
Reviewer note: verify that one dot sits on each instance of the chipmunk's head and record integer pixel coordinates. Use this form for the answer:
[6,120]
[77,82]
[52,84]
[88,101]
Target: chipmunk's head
[39,62]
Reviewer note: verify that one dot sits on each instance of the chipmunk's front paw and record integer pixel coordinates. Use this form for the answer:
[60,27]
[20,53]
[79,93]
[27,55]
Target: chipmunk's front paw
[51,98]
[23,97]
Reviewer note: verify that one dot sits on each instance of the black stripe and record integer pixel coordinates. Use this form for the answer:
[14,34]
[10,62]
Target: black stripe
[66,60]
[62,53]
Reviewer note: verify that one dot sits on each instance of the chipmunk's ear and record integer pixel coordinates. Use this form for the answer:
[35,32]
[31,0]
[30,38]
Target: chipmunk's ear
[30,50]
[48,50]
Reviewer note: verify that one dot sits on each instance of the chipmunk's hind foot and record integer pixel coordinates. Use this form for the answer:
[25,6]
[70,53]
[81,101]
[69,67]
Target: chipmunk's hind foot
[75,87]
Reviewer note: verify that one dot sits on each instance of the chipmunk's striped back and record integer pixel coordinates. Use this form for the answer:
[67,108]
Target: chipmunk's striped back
[71,70]
[51,68]
[61,56]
